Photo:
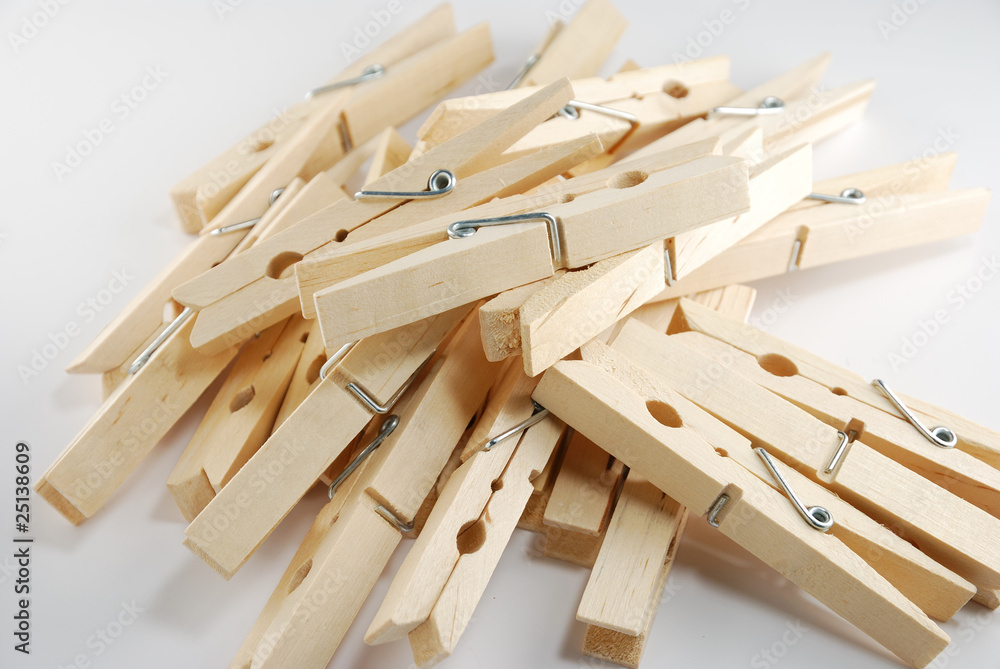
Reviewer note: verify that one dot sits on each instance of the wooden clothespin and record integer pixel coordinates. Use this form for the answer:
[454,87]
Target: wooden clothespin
[436,589]
[365,382]
[790,110]
[240,417]
[935,589]
[199,197]
[627,111]
[393,241]
[904,204]
[327,129]
[253,288]
[898,212]
[572,309]
[574,50]
[959,535]
[160,384]
[970,438]
[480,261]
[355,534]
[649,427]
[631,570]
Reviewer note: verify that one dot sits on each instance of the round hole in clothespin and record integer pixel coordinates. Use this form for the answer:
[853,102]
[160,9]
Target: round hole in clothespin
[664,413]
[628,179]
[778,365]
[281,263]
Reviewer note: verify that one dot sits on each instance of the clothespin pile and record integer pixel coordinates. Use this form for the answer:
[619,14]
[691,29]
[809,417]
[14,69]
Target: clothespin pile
[534,318]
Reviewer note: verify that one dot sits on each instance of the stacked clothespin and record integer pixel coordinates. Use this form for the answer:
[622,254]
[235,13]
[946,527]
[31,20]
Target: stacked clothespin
[534,318]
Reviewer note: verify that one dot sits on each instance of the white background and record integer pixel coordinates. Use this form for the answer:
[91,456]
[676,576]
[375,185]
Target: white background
[61,241]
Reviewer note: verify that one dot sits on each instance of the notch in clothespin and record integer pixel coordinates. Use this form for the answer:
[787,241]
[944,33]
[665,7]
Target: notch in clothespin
[651,428]
[378,501]
[260,287]
[952,531]
[476,262]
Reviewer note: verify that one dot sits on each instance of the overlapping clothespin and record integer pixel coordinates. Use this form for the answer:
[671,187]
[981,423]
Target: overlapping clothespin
[557,317]
[790,109]
[631,569]
[879,485]
[260,288]
[416,66]
[500,245]
[372,505]
[627,111]
[684,451]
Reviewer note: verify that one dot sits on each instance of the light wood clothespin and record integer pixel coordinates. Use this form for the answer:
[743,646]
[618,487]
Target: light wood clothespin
[627,111]
[393,241]
[199,197]
[790,109]
[442,578]
[631,570]
[565,312]
[240,417]
[959,535]
[971,438]
[485,259]
[905,204]
[648,426]
[366,381]
[355,534]
[253,288]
